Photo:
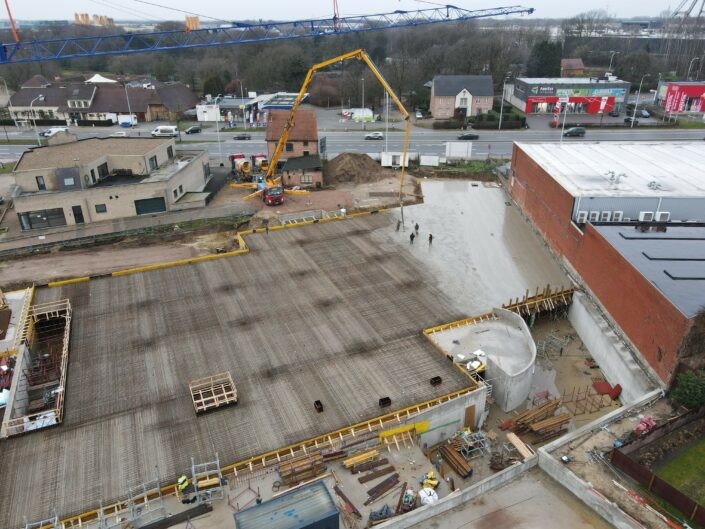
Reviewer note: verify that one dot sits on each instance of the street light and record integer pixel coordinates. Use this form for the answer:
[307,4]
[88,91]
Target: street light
[612,54]
[501,105]
[687,77]
[129,110]
[39,98]
[363,92]
[638,93]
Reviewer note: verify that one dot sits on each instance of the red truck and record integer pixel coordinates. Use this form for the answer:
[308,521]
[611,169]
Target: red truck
[273,196]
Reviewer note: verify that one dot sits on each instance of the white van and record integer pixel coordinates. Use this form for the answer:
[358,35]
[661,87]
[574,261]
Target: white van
[48,133]
[165,131]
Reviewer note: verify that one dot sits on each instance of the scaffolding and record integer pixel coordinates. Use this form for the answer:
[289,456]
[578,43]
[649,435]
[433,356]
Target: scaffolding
[144,504]
[473,444]
[208,481]
[49,523]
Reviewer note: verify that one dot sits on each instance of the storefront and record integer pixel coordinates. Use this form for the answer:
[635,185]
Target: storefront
[581,95]
[687,96]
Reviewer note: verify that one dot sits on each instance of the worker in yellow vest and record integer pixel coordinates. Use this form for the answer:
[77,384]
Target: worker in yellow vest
[186,490]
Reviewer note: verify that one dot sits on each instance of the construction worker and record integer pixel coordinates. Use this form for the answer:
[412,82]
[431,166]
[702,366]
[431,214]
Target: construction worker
[411,238]
[185,489]
[430,239]
[416,228]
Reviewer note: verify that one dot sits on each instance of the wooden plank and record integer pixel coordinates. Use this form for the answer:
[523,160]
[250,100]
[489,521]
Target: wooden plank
[350,504]
[364,467]
[401,498]
[520,446]
[376,474]
[360,458]
[381,489]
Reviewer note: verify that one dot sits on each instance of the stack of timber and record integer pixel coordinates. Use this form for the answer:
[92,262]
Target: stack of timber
[551,424]
[301,468]
[376,474]
[535,414]
[382,488]
[213,392]
[361,458]
[370,465]
[456,461]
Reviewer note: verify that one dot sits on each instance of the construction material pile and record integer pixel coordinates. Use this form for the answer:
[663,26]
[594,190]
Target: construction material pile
[355,168]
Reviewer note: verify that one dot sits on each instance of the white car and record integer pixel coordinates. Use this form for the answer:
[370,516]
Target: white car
[419,115]
[48,133]
[374,136]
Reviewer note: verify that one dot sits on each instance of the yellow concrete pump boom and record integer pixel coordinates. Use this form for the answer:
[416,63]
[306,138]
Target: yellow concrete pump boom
[359,55]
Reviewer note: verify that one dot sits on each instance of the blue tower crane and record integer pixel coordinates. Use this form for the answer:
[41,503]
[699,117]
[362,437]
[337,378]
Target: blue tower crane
[237,33]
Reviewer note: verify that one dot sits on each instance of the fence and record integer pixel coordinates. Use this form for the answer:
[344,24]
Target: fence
[622,460]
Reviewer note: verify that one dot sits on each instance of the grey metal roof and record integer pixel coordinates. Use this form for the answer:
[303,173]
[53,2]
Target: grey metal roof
[451,85]
[294,510]
[672,260]
[312,161]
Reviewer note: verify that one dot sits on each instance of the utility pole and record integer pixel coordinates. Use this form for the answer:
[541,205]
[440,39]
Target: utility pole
[636,106]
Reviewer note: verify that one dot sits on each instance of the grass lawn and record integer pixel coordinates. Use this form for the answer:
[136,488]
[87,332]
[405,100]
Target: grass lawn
[687,472]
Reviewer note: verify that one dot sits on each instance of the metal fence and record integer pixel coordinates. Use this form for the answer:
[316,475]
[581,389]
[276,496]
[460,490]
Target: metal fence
[622,460]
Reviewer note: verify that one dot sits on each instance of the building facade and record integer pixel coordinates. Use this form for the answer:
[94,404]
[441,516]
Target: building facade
[103,179]
[572,68]
[469,94]
[683,96]
[304,171]
[627,219]
[303,136]
[582,95]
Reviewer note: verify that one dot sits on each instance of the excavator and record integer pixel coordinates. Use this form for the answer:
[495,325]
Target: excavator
[270,186]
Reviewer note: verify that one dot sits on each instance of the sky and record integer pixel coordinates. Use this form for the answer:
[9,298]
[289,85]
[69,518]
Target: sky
[304,9]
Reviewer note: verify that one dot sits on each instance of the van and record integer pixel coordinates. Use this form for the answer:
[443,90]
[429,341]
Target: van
[164,131]
[48,133]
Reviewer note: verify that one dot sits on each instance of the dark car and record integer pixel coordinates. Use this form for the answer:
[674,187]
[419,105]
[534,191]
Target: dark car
[193,129]
[628,121]
[577,132]
[614,113]
[468,136]
[242,136]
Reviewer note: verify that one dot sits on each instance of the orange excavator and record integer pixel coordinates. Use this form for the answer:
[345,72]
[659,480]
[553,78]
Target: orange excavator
[269,185]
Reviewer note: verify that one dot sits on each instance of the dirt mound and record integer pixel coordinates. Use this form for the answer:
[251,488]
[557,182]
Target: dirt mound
[355,168]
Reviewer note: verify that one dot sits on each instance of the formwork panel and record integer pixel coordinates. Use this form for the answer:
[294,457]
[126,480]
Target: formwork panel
[282,320]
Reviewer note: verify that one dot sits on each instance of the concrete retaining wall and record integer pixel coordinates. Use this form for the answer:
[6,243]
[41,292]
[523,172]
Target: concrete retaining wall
[460,496]
[447,418]
[615,359]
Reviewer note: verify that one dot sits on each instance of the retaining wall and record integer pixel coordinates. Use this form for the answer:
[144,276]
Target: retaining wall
[449,417]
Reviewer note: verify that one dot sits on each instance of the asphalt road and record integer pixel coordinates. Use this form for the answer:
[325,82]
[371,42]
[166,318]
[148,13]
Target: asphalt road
[424,141]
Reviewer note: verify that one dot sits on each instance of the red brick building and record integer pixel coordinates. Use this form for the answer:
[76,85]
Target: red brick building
[587,201]
[303,136]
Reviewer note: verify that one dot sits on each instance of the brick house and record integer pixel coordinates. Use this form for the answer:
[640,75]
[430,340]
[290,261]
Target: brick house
[473,94]
[304,171]
[587,202]
[303,136]
[572,68]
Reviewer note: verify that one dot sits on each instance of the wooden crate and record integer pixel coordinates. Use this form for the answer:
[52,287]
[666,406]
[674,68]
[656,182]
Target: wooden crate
[213,392]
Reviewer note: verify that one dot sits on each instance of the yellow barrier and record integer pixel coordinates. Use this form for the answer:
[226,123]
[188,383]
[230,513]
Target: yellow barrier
[68,281]
[420,427]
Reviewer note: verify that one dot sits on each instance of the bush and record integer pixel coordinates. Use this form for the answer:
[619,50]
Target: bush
[446,124]
[689,390]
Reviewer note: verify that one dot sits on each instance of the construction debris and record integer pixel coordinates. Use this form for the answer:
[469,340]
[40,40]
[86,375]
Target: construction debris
[355,168]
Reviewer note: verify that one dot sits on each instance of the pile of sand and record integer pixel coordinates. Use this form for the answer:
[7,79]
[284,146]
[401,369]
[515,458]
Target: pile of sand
[355,168]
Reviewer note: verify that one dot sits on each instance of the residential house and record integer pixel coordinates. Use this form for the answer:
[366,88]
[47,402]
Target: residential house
[471,94]
[107,178]
[303,171]
[36,81]
[572,68]
[51,102]
[303,136]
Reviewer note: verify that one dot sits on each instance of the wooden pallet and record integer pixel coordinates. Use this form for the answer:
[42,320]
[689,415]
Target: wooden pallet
[456,461]
[213,392]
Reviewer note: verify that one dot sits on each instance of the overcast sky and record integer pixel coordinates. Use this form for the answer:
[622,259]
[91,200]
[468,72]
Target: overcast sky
[303,9]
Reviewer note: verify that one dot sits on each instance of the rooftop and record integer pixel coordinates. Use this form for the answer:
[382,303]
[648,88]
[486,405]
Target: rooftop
[569,80]
[452,85]
[305,126]
[312,161]
[66,154]
[350,335]
[572,64]
[672,260]
[649,169]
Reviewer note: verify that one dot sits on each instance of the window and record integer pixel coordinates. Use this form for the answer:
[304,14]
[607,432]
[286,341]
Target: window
[153,163]
[463,102]
[307,178]
[93,175]
[44,218]
[103,170]
[289,146]
[181,189]
[176,193]
[101,208]
[170,152]
[69,181]
[40,183]
[306,153]
[305,143]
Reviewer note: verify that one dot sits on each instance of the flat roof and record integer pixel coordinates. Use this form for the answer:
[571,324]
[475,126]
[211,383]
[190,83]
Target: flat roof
[672,260]
[324,312]
[650,169]
[569,80]
[84,151]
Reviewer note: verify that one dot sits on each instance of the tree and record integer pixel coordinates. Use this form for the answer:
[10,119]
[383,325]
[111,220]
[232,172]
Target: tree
[214,85]
[689,389]
[545,59]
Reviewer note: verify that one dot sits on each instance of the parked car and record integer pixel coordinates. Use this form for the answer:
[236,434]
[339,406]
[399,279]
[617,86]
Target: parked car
[48,133]
[614,113]
[193,129]
[577,132]
[374,136]
[468,136]
[643,113]
[629,120]
[119,134]
[165,131]
[419,115]
[242,136]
